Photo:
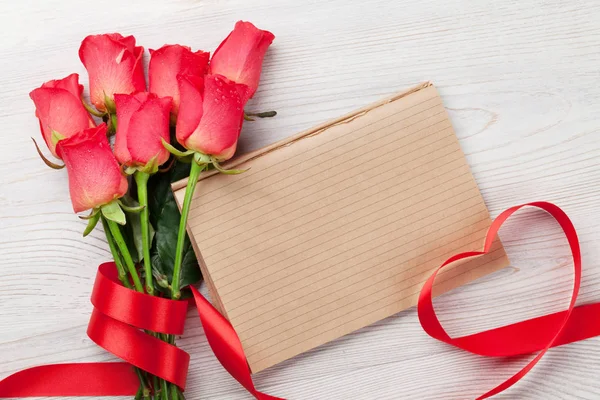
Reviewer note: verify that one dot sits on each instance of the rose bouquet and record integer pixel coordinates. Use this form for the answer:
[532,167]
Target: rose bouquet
[123,150]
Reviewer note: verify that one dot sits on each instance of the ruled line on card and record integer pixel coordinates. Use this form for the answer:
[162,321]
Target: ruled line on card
[339,229]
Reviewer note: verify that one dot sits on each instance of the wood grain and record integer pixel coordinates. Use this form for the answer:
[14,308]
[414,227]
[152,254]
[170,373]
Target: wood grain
[521,82]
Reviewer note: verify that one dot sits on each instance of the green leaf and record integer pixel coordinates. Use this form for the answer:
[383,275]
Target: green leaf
[164,216]
[112,211]
[92,221]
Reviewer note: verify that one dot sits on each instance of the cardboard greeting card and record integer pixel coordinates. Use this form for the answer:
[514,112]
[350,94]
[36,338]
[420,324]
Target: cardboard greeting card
[339,226]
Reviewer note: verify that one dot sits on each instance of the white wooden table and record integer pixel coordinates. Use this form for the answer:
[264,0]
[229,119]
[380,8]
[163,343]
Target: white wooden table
[521,80]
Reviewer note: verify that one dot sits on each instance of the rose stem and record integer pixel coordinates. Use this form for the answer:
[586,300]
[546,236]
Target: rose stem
[116,233]
[185,210]
[141,179]
[116,255]
[164,391]
[145,390]
[113,234]
[155,386]
[174,392]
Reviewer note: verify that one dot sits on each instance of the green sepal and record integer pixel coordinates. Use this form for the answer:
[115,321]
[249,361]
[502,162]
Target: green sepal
[109,103]
[56,137]
[129,170]
[226,171]
[44,159]
[151,166]
[93,220]
[92,110]
[174,151]
[91,215]
[131,209]
[113,212]
[111,122]
[202,159]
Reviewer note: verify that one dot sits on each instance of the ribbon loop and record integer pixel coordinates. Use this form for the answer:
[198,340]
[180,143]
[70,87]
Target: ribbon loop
[537,334]
[138,309]
[140,349]
[116,325]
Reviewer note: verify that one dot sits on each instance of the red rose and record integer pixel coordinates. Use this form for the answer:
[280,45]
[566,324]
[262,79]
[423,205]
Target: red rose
[58,107]
[239,57]
[211,115]
[170,61]
[143,121]
[95,177]
[114,65]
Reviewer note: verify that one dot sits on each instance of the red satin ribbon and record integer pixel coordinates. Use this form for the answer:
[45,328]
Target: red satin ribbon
[120,314]
[118,317]
[537,334]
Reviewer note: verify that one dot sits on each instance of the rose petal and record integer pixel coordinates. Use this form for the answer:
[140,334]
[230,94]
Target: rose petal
[70,83]
[148,125]
[221,121]
[239,57]
[171,61]
[94,174]
[58,109]
[113,64]
[126,106]
[190,109]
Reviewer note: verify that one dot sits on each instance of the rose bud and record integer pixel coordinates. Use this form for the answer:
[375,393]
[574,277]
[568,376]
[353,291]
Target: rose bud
[239,57]
[114,65]
[170,61]
[95,177]
[59,108]
[211,115]
[143,123]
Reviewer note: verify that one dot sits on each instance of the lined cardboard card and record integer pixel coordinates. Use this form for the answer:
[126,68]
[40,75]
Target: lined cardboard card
[339,227]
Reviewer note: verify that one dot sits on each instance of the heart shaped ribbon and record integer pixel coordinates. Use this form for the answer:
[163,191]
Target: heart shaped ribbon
[120,314]
[537,334]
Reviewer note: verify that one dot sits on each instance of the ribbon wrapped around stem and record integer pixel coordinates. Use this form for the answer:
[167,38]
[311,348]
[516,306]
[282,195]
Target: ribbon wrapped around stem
[116,325]
[120,314]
